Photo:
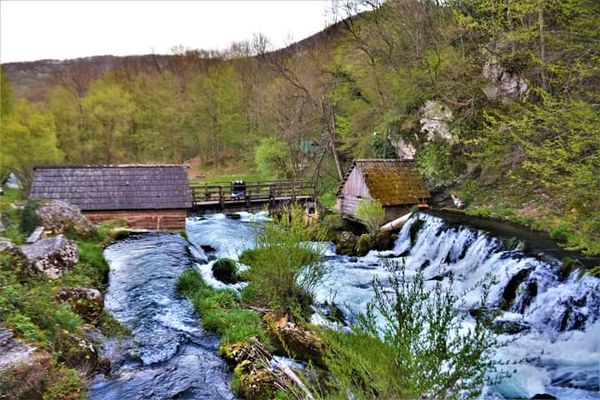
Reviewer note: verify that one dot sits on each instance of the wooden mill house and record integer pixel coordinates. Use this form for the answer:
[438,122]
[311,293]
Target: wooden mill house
[146,196]
[396,184]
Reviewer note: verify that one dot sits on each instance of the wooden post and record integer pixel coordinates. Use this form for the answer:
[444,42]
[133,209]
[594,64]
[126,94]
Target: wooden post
[221,197]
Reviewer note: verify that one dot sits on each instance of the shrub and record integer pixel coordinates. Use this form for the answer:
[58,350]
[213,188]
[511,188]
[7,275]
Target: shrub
[419,352]
[29,218]
[225,270]
[284,269]
[371,213]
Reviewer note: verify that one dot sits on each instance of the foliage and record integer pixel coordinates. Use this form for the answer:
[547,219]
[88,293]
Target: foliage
[421,350]
[29,218]
[371,213]
[225,270]
[272,159]
[382,146]
[284,268]
[220,310]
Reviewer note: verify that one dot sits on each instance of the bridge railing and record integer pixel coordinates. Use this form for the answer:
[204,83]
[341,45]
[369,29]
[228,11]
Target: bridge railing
[217,193]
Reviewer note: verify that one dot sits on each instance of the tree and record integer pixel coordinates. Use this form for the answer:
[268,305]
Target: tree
[272,159]
[6,94]
[108,111]
[28,137]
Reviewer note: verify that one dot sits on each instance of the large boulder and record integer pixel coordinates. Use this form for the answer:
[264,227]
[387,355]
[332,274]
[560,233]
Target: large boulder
[6,245]
[52,257]
[57,216]
[24,369]
[86,302]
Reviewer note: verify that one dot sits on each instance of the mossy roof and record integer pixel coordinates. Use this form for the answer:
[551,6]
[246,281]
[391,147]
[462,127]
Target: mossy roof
[392,182]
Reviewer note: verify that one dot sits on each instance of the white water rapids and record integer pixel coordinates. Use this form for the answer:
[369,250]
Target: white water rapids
[558,319]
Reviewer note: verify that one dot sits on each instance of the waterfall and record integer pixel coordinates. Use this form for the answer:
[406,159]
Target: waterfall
[556,317]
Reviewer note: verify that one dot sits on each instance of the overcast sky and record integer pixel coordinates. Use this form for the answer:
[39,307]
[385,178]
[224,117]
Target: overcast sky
[34,30]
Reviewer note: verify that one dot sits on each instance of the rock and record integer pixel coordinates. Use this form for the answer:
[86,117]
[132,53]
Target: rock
[435,121]
[502,82]
[544,396]
[437,278]
[52,257]
[382,241]
[346,243]
[458,203]
[225,270]
[509,327]
[295,340]
[86,302]
[363,245]
[57,216]
[24,369]
[233,216]
[35,235]
[6,245]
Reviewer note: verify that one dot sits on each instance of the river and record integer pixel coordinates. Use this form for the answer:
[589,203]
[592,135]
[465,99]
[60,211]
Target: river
[169,356]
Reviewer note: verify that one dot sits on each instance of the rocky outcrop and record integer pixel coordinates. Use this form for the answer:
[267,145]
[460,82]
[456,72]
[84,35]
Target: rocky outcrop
[57,216]
[86,302]
[24,369]
[52,257]
[502,82]
[435,120]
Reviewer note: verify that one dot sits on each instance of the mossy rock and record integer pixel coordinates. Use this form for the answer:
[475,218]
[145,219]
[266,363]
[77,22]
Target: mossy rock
[225,270]
[294,340]
[346,243]
[363,245]
[254,381]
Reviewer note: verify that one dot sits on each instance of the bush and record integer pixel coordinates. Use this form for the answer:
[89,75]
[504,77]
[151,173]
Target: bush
[225,270]
[283,268]
[371,213]
[29,218]
[421,350]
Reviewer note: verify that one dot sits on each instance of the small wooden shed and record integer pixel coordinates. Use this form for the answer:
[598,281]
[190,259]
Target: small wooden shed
[396,184]
[153,197]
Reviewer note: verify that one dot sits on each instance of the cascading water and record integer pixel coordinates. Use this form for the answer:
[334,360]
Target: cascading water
[168,355]
[557,320]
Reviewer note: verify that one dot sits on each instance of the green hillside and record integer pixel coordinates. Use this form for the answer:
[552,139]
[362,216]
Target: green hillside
[498,102]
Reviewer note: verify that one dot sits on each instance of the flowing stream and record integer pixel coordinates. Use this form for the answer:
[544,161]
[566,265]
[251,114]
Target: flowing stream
[168,355]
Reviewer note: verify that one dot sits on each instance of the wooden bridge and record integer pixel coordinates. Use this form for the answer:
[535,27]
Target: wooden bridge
[226,197]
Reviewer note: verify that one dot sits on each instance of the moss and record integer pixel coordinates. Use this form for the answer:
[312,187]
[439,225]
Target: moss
[363,245]
[225,270]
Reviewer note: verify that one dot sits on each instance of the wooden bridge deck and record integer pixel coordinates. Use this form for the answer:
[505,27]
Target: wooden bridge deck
[220,197]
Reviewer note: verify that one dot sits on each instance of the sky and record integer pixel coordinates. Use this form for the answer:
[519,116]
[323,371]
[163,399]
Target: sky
[34,30]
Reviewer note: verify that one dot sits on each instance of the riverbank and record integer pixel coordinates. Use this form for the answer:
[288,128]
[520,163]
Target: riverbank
[53,321]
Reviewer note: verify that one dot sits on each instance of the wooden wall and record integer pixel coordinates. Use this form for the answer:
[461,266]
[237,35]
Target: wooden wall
[353,191]
[143,219]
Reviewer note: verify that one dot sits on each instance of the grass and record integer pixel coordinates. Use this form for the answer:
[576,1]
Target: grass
[28,306]
[220,310]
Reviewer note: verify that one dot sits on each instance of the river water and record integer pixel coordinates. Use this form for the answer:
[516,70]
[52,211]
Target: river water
[169,356]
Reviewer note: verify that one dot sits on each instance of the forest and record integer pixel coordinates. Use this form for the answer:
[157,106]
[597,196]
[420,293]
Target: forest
[498,102]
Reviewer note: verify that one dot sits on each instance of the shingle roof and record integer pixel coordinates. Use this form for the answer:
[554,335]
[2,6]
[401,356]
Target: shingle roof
[114,187]
[392,182]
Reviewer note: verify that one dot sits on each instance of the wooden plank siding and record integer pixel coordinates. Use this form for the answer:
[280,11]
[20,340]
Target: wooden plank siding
[354,190]
[142,219]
